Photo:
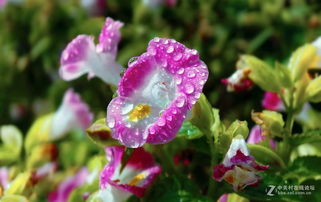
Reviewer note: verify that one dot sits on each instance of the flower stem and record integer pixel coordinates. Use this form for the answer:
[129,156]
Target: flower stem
[212,183]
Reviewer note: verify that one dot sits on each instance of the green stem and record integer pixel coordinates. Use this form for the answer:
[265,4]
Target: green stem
[165,159]
[212,182]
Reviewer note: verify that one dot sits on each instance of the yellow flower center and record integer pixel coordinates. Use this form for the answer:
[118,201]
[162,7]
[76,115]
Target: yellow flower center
[137,179]
[139,112]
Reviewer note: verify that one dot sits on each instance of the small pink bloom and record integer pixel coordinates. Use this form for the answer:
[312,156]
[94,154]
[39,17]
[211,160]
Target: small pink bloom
[67,186]
[256,137]
[82,56]
[272,101]
[238,81]
[238,168]
[73,113]
[155,94]
[138,173]
[4,177]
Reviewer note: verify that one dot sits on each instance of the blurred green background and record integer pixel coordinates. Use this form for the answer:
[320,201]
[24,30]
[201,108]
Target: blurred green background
[33,34]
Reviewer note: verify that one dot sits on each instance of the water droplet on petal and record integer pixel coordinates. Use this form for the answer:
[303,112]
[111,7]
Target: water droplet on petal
[156,39]
[179,80]
[174,111]
[132,60]
[189,88]
[180,102]
[178,56]
[181,71]
[152,130]
[152,50]
[169,117]
[161,122]
[170,49]
[198,95]
[111,122]
[191,74]
[127,108]
[202,82]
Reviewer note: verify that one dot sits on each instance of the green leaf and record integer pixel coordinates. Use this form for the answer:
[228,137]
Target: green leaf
[18,185]
[202,115]
[11,144]
[173,189]
[189,131]
[303,168]
[261,73]
[310,136]
[238,128]
[259,192]
[14,198]
[265,155]
[315,194]
[100,134]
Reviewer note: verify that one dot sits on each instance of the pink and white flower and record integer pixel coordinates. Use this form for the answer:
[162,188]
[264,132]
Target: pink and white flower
[238,81]
[272,101]
[72,114]
[82,56]
[118,184]
[4,177]
[156,92]
[238,168]
[256,137]
[64,189]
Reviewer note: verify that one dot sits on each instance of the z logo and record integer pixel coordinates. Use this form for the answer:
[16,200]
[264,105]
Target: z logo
[270,191]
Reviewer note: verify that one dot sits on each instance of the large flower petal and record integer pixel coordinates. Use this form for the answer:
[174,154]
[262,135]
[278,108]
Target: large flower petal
[155,93]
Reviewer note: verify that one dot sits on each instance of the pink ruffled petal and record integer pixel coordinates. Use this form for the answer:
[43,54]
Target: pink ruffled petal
[167,80]
[75,57]
[256,137]
[110,36]
[139,172]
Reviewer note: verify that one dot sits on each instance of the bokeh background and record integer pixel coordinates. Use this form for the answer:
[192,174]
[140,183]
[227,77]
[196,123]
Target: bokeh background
[33,34]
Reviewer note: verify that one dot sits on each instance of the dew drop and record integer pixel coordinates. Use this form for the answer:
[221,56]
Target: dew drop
[127,108]
[180,102]
[132,60]
[170,49]
[161,122]
[152,130]
[174,111]
[169,117]
[152,50]
[111,122]
[198,95]
[202,82]
[156,39]
[191,74]
[181,71]
[189,88]
[179,80]
[178,56]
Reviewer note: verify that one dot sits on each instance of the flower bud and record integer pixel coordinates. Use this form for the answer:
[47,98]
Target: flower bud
[271,122]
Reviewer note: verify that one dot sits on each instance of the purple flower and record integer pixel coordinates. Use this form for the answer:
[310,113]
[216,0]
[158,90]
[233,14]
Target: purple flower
[238,168]
[138,173]
[82,56]
[73,113]
[64,189]
[156,92]
[272,101]
[256,137]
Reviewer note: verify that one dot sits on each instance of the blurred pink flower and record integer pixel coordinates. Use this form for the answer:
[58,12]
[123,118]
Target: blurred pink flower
[272,101]
[73,113]
[64,189]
